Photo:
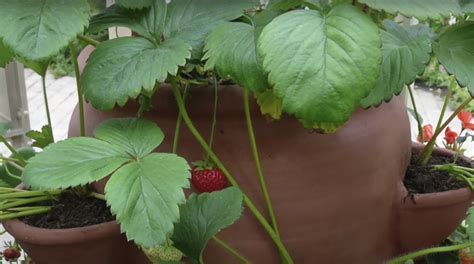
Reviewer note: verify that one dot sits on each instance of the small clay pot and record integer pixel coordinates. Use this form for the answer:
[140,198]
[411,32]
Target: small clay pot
[425,220]
[96,244]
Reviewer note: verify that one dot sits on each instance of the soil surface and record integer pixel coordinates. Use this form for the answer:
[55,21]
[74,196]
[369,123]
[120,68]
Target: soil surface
[423,179]
[71,211]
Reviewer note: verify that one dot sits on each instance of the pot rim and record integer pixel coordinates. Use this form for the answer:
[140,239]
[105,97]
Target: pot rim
[438,199]
[43,236]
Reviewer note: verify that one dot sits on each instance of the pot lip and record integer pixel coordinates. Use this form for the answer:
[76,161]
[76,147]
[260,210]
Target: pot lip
[439,199]
[43,236]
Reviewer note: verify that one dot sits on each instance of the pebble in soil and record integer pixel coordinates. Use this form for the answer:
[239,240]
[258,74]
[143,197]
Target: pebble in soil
[424,179]
[71,211]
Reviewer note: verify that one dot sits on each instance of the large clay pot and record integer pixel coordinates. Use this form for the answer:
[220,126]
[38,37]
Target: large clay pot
[417,213]
[338,198]
[96,244]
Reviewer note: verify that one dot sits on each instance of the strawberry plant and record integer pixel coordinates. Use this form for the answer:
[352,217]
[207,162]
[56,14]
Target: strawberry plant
[316,61]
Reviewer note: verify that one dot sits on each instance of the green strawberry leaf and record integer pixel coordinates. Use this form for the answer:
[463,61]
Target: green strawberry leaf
[192,20]
[4,127]
[135,137]
[422,8]
[38,29]
[231,51]
[144,195]
[284,4]
[202,217]
[144,190]
[6,55]
[455,52]
[148,23]
[41,139]
[120,69]
[270,105]
[321,66]
[73,162]
[262,19]
[135,4]
[406,51]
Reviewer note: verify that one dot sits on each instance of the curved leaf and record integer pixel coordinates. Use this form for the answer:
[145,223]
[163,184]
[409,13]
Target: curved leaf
[455,52]
[422,8]
[148,23]
[321,67]
[134,136]
[202,217]
[192,20]
[145,195]
[406,51]
[135,4]
[231,51]
[119,69]
[38,29]
[73,162]
[6,55]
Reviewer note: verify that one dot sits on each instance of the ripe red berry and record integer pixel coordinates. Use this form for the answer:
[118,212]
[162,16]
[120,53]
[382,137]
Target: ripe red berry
[208,180]
[11,254]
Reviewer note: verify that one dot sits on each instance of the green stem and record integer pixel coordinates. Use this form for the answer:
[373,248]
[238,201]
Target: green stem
[15,153]
[97,196]
[284,253]
[231,250]
[7,170]
[78,84]
[4,217]
[214,118]
[445,106]
[179,119]
[22,209]
[88,40]
[46,103]
[256,157]
[29,194]
[428,149]
[24,202]
[428,251]
[417,116]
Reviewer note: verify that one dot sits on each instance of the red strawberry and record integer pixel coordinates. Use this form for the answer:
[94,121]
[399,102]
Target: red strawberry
[208,179]
[11,254]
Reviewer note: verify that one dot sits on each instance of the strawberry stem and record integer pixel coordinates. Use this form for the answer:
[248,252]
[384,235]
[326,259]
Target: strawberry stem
[231,250]
[73,49]
[46,104]
[276,240]
[214,119]
[417,116]
[20,158]
[256,157]
[178,122]
[428,251]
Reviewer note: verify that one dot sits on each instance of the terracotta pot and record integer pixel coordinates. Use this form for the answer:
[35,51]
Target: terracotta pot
[338,198]
[417,214]
[96,244]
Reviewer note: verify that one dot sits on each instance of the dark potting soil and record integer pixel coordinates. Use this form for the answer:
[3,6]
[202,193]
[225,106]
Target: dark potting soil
[71,211]
[424,179]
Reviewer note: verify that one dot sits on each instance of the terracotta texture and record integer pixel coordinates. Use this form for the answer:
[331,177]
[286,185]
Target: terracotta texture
[338,198]
[97,244]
